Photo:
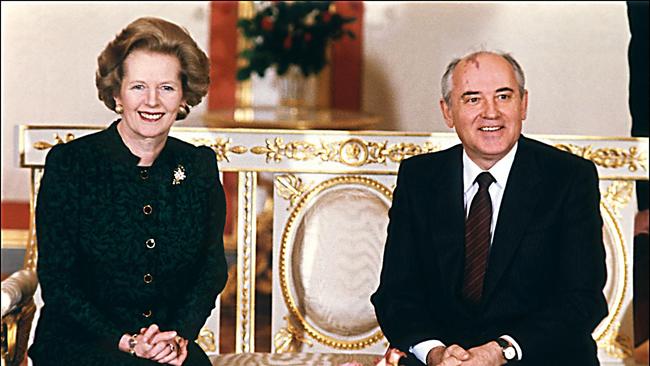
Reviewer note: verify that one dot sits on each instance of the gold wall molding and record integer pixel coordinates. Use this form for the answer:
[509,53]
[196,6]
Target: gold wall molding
[610,157]
[352,152]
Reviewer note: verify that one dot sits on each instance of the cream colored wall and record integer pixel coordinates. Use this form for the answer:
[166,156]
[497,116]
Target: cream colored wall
[49,53]
[574,56]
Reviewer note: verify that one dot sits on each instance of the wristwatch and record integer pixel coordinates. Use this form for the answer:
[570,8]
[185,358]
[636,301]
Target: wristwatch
[507,350]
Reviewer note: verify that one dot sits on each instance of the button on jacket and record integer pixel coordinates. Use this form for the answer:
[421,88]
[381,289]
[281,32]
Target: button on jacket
[123,246]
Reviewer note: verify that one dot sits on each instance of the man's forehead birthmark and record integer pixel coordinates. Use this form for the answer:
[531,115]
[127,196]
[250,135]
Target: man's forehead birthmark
[474,61]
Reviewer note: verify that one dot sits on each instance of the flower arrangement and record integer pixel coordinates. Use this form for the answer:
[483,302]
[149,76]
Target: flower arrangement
[295,33]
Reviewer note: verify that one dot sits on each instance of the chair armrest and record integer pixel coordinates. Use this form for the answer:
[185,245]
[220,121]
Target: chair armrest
[17,288]
[17,315]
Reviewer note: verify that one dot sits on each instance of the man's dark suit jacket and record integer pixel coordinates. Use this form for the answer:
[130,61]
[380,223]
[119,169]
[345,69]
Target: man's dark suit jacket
[546,270]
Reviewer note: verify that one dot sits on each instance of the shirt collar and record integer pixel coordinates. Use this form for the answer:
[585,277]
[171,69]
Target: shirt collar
[499,171]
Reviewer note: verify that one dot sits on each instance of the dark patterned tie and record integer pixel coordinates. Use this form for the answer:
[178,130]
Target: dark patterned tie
[477,239]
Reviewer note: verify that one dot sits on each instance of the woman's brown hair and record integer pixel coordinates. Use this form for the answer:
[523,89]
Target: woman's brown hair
[154,35]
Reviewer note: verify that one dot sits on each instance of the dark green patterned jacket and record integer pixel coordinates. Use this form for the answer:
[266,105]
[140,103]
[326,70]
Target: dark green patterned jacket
[122,247]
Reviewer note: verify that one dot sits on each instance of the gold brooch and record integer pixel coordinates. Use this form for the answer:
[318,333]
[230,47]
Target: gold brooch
[179,175]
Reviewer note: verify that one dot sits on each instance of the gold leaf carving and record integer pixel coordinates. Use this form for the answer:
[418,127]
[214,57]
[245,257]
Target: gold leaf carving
[290,188]
[221,147]
[275,149]
[401,151]
[206,340]
[352,152]
[286,338]
[245,285]
[44,145]
[239,149]
[610,157]
[617,345]
[283,341]
[618,195]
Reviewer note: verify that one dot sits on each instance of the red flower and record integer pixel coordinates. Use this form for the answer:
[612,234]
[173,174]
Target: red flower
[308,37]
[326,17]
[287,43]
[267,24]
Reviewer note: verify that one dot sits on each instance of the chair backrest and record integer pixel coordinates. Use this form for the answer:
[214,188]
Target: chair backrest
[330,192]
[329,237]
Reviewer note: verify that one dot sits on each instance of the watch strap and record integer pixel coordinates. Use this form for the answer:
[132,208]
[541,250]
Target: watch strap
[503,343]
[508,351]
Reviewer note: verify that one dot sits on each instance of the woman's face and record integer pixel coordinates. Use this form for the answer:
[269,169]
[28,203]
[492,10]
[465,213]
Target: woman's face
[151,93]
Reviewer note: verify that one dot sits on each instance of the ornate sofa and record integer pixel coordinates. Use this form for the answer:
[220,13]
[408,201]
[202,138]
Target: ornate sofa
[328,193]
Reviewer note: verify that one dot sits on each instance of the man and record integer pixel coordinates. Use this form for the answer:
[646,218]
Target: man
[494,249]
[638,54]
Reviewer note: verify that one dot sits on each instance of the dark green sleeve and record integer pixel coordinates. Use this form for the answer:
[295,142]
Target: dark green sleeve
[59,263]
[211,269]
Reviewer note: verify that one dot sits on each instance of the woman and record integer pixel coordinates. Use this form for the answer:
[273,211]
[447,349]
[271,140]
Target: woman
[129,220]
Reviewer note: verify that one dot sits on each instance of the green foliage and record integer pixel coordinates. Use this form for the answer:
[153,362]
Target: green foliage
[296,33]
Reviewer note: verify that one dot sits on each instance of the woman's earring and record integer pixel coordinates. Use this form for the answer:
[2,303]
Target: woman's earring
[183,111]
[119,109]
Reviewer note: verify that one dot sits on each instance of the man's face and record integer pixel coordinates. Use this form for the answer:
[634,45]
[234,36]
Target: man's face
[485,108]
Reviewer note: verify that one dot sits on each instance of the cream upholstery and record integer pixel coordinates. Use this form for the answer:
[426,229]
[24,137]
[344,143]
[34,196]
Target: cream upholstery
[327,257]
[17,289]
[339,239]
[293,359]
[331,192]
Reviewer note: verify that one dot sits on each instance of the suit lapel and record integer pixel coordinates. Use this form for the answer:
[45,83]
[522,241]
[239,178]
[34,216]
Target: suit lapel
[517,204]
[449,220]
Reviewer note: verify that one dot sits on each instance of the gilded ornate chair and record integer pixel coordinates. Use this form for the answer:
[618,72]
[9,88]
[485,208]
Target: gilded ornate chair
[330,193]
[18,309]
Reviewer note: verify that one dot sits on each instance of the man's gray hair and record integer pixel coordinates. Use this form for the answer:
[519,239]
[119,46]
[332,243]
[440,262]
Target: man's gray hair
[447,77]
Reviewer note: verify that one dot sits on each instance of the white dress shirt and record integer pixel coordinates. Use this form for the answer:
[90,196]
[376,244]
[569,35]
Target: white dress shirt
[500,171]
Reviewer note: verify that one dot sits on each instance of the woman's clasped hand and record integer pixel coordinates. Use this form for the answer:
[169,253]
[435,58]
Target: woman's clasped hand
[152,343]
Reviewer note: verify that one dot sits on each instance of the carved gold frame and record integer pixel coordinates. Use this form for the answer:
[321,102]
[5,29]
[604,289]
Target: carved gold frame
[606,333]
[285,257]
[246,251]
[612,224]
[354,151]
